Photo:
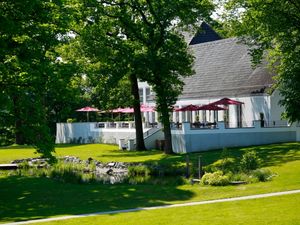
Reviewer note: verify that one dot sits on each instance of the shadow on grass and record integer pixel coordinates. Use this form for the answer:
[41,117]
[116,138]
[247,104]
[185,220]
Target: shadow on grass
[131,154]
[16,147]
[277,154]
[271,155]
[24,198]
[31,147]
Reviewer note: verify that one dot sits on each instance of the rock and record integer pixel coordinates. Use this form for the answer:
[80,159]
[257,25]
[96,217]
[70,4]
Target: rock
[111,164]
[109,172]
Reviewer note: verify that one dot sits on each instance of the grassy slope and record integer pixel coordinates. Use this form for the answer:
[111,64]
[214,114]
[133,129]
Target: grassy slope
[29,198]
[283,210]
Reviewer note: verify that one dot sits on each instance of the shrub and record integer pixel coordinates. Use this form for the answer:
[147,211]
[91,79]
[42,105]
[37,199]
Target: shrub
[67,172]
[24,165]
[71,120]
[139,170]
[262,175]
[239,177]
[215,179]
[250,161]
[225,165]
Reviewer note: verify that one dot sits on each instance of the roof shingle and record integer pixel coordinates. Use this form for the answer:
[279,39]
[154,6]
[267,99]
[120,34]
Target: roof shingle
[223,69]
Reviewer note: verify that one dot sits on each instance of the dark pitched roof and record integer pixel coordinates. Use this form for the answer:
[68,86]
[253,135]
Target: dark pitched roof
[223,69]
[206,34]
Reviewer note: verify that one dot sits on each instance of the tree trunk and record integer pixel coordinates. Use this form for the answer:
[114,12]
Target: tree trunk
[140,144]
[19,134]
[19,137]
[167,129]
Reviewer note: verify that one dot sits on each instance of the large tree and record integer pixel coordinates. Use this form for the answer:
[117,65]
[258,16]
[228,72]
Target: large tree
[31,76]
[272,30]
[144,41]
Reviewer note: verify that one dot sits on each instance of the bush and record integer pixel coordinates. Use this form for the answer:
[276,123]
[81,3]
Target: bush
[262,175]
[71,120]
[225,165]
[67,172]
[241,177]
[250,161]
[215,179]
[139,170]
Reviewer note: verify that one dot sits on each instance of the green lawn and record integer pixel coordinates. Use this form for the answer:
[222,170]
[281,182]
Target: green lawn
[102,152]
[281,210]
[31,198]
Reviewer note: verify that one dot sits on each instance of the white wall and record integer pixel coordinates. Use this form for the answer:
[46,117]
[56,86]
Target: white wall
[195,140]
[65,132]
[88,132]
[276,109]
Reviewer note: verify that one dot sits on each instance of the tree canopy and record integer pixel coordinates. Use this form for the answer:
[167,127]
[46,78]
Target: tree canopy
[33,82]
[272,29]
[142,38]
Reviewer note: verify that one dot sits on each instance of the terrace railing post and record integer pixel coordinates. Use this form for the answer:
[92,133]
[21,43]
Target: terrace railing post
[256,124]
[221,125]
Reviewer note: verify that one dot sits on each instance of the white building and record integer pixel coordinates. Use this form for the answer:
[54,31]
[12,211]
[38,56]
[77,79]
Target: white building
[223,69]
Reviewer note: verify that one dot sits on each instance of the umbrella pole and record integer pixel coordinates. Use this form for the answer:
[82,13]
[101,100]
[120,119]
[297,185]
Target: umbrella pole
[87,117]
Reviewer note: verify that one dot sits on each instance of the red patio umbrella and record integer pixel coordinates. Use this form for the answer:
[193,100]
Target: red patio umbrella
[147,108]
[144,108]
[210,107]
[88,109]
[188,108]
[226,101]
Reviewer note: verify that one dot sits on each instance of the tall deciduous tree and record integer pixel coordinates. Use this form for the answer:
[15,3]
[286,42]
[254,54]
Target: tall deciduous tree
[273,27]
[144,41]
[30,73]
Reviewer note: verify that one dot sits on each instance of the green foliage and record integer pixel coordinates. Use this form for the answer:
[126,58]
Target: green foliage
[34,84]
[140,170]
[67,172]
[224,165]
[139,38]
[215,179]
[241,177]
[271,28]
[71,120]
[262,175]
[24,165]
[250,161]
[244,170]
